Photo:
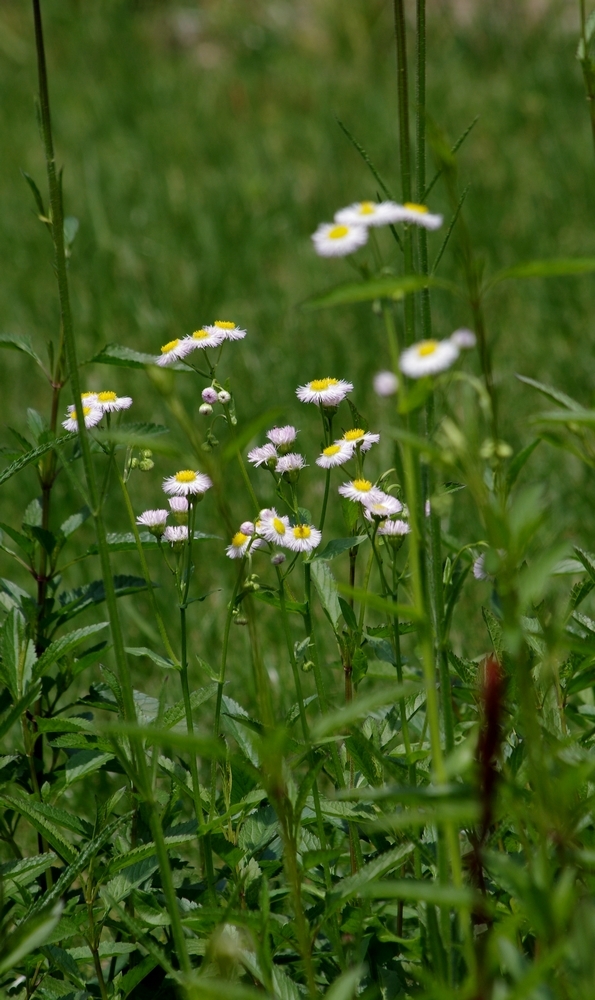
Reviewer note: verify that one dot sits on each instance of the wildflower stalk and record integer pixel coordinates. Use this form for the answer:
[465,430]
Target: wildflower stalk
[145,571]
[57,228]
[588,68]
[405,157]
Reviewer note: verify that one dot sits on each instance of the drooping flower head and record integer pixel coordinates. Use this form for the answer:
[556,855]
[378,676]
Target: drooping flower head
[290,463]
[464,339]
[361,491]
[428,357]
[369,213]
[338,240]
[92,414]
[174,350]
[385,383]
[154,520]
[324,391]
[378,510]
[176,534]
[335,454]
[228,330]
[281,437]
[364,439]
[303,538]
[418,215]
[393,527]
[110,403]
[265,454]
[186,483]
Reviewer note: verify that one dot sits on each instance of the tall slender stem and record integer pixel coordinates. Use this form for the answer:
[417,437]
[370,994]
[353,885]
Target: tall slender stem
[405,156]
[57,219]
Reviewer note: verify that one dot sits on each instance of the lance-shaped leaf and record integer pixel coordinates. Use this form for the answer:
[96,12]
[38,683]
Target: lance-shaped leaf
[18,655]
[21,343]
[29,935]
[126,357]
[326,588]
[31,456]
[343,718]
[557,267]
[351,886]
[62,646]
[378,288]
[420,891]
[29,809]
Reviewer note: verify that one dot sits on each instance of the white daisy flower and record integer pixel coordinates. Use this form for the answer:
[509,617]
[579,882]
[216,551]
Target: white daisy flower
[369,213]
[364,439]
[290,463]
[303,538]
[174,350]
[229,330]
[186,483]
[176,534]
[109,402]
[274,527]
[239,545]
[393,527]
[428,357]
[209,395]
[282,436]
[361,491]
[88,397]
[332,240]
[92,414]
[154,520]
[324,391]
[263,455]
[335,454]
[418,215]
[463,339]
[385,383]
[378,510]
[207,336]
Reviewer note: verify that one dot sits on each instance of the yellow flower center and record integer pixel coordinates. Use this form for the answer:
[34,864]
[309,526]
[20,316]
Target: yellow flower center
[414,207]
[366,208]
[169,346]
[238,539]
[426,347]
[332,450]
[320,384]
[278,526]
[86,395]
[362,485]
[338,232]
[86,412]
[106,397]
[200,334]
[185,476]
[301,531]
[354,434]
[224,324]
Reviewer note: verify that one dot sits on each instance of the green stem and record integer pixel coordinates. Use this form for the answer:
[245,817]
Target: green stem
[110,594]
[405,156]
[145,571]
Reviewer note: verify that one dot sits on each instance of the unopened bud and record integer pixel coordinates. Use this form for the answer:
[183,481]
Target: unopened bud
[224,396]
[209,395]
[278,558]
[205,409]
[146,464]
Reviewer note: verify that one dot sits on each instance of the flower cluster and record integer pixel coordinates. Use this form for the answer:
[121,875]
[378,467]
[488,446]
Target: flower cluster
[95,406]
[183,488]
[378,507]
[344,448]
[207,336]
[276,529]
[429,357]
[349,231]
[276,454]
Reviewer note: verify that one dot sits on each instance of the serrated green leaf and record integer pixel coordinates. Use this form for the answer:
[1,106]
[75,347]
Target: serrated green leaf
[29,809]
[26,870]
[64,645]
[31,456]
[341,719]
[326,588]
[338,546]
[21,343]
[351,886]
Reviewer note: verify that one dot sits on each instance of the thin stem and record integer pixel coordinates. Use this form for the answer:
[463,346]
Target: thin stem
[57,219]
[405,156]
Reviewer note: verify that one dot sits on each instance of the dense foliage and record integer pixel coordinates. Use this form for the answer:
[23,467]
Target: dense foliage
[341,761]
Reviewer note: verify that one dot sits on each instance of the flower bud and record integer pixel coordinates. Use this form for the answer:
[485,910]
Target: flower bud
[278,558]
[209,395]
[224,396]
[205,409]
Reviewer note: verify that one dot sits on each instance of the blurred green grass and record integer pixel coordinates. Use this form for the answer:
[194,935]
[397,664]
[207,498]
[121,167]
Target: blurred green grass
[201,150]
